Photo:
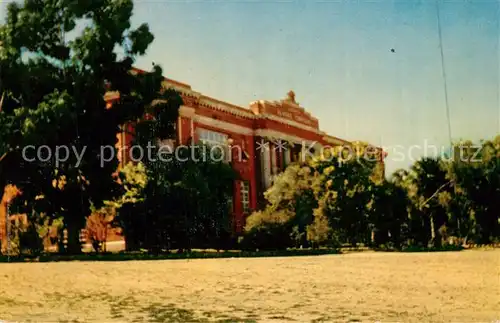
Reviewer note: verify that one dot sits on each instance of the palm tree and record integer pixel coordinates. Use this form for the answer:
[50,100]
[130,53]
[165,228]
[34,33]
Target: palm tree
[399,177]
[429,179]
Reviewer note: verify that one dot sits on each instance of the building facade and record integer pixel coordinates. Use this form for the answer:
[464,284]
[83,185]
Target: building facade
[260,140]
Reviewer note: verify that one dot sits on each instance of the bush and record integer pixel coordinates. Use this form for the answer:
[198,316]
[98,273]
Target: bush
[97,230]
[270,236]
[431,249]
[30,241]
[269,230]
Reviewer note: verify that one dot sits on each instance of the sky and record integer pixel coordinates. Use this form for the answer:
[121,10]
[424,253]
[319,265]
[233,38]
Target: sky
[336,56]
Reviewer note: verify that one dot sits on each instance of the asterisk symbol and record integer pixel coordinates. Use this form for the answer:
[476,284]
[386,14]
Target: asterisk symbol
[262,145]
[279,145]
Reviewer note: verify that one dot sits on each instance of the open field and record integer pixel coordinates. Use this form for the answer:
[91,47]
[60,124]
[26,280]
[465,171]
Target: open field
[369,286]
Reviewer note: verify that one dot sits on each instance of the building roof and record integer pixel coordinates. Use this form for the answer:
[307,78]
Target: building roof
[287,110]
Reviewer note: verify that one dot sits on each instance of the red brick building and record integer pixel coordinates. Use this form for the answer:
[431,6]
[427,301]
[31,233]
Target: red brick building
[262,138]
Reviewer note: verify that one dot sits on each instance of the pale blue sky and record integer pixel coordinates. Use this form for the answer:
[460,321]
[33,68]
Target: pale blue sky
[336,56]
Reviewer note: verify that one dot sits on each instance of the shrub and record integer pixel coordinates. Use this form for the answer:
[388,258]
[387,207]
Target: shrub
[267,217]
[319,232]
[270,236]
[30,241]
[97,229]
[268,230]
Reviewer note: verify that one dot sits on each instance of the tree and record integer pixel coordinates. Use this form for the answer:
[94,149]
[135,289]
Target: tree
[477,179]
[389,212]
[324,201]
[184,204]
[289,210]
[133,180]
[429,180]
[177,199]
[346,191]
[52,93]
[97,228]
[319,231]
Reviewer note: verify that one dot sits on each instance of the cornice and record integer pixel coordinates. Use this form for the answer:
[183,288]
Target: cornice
[223,125]
[289,122]
[281,135]
[219,106]
[182,89]
[334,140]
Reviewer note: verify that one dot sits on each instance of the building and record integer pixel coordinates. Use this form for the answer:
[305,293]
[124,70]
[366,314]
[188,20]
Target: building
[261,139]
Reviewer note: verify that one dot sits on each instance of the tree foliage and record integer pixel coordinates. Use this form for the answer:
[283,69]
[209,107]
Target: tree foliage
[175,197]
[336,200]
[52,90]
[326,199]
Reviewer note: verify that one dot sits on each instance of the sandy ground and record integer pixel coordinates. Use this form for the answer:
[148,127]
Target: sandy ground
[388,287]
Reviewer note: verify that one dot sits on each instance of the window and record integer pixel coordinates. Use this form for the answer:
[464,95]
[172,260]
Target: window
[295,153]
[245,196]
[215,139]
[212,137]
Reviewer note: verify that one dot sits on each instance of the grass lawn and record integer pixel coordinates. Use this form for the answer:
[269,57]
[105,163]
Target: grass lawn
[369,286]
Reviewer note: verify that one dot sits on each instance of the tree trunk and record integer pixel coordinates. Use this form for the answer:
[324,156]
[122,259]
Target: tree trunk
[104,247]
[131,241]
[4,227]
[3,184]
[73,246]
[433,232]
[435,235]
[61,246]
[2,192]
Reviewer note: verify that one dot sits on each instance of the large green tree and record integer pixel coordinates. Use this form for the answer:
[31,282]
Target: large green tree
[183,197]
[325,200]
[389,213]
[183,204]
[347,193]
[289,210]
[52,89]
[477,177]
[428,182]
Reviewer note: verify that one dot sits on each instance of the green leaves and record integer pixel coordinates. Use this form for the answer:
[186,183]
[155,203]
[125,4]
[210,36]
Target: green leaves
[478,190]
[140,38]
[54,90]
[179,203]
[326,198]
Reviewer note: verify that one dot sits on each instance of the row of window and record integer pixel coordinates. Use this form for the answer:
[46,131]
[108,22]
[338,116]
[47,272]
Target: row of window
[245,196]
[212,137]
[269,163]
[215,139]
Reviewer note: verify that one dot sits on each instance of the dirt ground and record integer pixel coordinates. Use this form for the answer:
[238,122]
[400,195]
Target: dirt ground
[387,287]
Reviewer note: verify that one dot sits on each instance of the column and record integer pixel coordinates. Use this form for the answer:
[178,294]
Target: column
[287,156]
[265,166]
[274,160]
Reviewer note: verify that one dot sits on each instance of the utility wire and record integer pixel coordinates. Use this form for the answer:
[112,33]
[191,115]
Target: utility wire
[498,67]
[443,70]
[451,182]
